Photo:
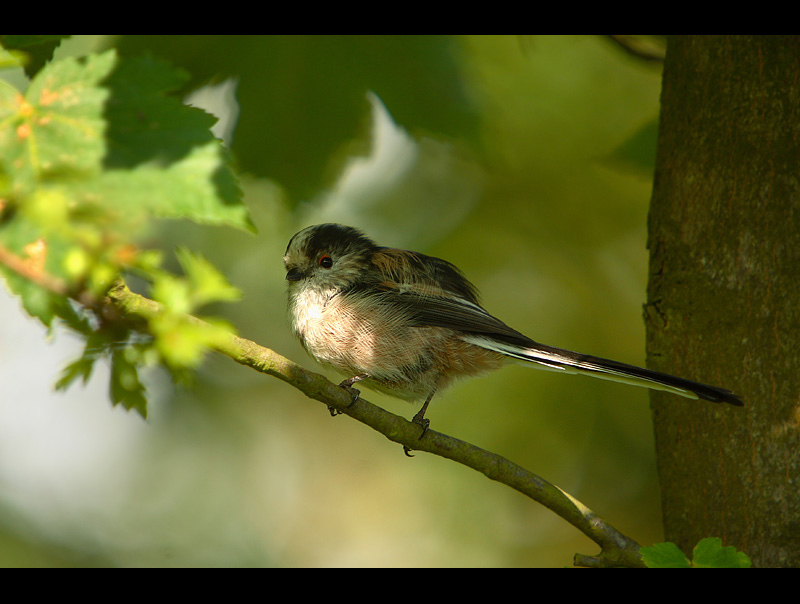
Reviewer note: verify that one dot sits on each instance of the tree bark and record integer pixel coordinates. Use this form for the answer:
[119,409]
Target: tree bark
[724,292]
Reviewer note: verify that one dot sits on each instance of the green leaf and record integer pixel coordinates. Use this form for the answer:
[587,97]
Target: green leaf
[179,169]
[125,388]
[664,555]
[709,553]
[74,319]
[57,141]
[207,283]
[37,301]
[159,155]
[80,368]
[182,344]
[12,58]
[17,235]
[93,150]
[199,187]
[57,129]
[96,344]
[146,124]
[38,49]
[311,93]
[173,293]
[26,42]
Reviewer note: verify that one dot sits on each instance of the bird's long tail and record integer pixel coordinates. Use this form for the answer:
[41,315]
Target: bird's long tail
[556,359]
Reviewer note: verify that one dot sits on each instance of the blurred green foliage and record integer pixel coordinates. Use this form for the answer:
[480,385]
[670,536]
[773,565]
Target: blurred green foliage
[90,152]
[35,50]
[306,95]
[524,160]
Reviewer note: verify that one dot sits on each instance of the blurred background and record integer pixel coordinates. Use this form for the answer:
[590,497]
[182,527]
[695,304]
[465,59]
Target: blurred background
[525,160]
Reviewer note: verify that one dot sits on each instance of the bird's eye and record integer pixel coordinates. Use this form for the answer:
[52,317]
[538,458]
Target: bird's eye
[325,261]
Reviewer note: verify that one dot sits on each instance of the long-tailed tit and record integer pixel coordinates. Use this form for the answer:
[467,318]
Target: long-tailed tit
[410,324]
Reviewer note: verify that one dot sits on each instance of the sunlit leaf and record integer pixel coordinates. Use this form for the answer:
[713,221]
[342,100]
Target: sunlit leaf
[709,553]
[208,284]
[664,555]
[57,129]
[124,387]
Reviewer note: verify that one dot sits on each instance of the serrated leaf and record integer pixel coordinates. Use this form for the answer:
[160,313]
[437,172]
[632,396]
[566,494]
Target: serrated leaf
[38,49]
[207,283]
[57,128]
[183,344]
[146,125]
[124,386]
[73,319]
[664,555]
[88,154]
[96,343]
[173,293]
[79,368]
[36,300]
[301,123]
[709,553]
[17,236]
[181,170]
[159,155]
[200,187]
[28,41]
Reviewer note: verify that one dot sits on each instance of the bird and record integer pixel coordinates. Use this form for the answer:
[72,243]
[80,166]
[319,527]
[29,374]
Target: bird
[409,324]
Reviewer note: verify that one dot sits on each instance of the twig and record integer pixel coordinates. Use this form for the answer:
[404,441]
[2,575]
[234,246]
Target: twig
[32,269]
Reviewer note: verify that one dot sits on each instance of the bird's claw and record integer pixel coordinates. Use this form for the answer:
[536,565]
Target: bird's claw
[355,393]
[423,422]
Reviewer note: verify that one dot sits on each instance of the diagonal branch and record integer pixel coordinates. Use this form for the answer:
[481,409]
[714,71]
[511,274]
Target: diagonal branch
[617,549]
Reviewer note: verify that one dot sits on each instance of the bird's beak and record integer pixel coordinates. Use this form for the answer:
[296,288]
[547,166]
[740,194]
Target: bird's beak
[294,274]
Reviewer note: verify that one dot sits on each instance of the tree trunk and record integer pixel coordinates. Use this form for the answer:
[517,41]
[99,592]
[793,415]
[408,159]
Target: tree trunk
[724,292]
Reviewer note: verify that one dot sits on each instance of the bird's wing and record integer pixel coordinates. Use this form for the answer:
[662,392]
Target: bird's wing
[429,308]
